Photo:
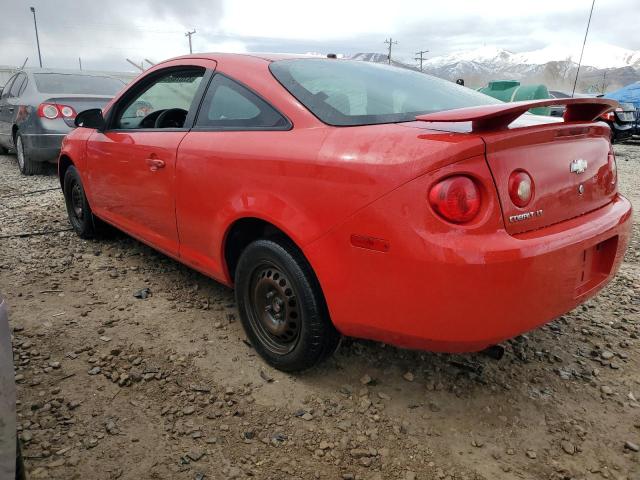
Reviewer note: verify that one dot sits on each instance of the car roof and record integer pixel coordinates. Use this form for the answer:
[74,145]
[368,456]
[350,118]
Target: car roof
[266,56]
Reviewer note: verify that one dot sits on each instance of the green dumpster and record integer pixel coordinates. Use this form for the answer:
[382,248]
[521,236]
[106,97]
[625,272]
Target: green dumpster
[512,91]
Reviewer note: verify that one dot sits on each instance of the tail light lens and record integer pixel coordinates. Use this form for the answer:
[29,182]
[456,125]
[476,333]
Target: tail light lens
[456,199]
[53,111]
[520,188]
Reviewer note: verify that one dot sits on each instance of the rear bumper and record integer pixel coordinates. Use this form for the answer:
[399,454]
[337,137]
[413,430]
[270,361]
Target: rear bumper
[43,147]
[457,292]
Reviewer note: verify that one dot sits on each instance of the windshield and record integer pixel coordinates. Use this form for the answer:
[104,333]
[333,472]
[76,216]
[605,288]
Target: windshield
[342,92]
[79,84]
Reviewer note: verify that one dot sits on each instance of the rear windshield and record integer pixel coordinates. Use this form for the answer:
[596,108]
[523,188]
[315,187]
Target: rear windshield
[80,84]
[343,92]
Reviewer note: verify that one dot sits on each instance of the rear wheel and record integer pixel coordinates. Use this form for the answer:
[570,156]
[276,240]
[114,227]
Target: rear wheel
[26,164]
[80,215]
[282,307]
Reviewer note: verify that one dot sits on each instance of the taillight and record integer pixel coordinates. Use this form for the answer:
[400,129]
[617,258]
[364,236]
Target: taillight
[53,111]
[520,188]
[456,199]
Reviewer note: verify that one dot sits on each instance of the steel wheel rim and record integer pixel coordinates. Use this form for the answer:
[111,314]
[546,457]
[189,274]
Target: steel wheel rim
[274,310]
[77,204]
[20,152]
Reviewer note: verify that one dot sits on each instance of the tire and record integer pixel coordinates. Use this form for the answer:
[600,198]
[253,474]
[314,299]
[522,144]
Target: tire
[27,165]
[20,472]
[81,217]
[282,307]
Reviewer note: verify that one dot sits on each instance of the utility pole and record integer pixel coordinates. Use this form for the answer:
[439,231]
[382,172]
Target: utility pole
[80,63]
[583,44]
[420,57]
[35,24]
[188,34]
[391,43]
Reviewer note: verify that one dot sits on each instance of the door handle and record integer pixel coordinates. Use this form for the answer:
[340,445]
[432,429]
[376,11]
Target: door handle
[11,109]
[155,164]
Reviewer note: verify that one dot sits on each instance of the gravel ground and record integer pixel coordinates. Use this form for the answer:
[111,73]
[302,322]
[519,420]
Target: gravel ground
[167,387]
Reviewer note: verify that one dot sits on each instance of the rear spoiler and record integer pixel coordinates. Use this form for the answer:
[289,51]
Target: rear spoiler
[500,116]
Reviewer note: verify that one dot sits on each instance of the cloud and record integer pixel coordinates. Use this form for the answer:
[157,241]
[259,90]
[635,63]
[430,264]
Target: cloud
[105,33]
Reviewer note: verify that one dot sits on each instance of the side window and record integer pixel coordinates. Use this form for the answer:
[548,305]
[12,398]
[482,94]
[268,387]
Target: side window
[162,104]
[16,88]
[228,105]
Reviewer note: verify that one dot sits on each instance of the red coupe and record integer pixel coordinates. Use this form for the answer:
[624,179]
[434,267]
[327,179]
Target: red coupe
[344,197]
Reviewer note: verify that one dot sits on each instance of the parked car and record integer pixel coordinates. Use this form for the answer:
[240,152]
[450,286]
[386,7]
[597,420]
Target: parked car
[345,197]
[11,465]
[37,108]
[558,110]
[622,122]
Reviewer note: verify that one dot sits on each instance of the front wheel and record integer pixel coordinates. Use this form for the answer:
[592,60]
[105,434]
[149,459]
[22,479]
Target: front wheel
[282,307]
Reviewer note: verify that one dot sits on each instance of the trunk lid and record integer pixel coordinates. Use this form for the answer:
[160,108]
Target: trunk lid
[80,103]
[571,162]
[569,166]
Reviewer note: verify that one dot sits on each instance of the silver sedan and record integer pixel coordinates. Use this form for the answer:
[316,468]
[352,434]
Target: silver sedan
[37,109]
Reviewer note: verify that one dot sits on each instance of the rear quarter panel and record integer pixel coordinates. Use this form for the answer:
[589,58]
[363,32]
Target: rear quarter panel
[305,181]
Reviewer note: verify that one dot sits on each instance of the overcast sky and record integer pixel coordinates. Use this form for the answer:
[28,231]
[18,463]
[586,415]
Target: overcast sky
[106,32]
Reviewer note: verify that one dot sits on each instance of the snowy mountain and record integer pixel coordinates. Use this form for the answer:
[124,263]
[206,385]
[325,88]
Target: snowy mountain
[604,67]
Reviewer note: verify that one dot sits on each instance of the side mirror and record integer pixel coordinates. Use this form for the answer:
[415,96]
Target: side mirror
[91,118]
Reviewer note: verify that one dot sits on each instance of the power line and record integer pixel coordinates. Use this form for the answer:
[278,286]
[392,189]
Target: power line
[582,52]
[188,34]
[420,57]
[391,43]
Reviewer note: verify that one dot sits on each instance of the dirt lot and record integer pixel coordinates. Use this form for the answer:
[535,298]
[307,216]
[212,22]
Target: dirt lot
[167,387]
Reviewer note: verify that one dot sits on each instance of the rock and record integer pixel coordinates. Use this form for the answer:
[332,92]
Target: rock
[366,379]
[607,390]
[634,447]
[477,443]
[532,454]
[568,447]
[94,371]
[111,427]
[307,417]
[606,355]
[54,365]
[188,410]
[143,293]
[408,376]
[410,475]
[195,456]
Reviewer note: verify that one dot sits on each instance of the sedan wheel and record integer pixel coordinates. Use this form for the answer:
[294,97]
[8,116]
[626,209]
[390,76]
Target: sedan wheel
[20,153]
[26,164]
[282,307]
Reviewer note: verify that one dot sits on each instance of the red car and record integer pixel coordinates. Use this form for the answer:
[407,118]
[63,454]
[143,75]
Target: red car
[344,197]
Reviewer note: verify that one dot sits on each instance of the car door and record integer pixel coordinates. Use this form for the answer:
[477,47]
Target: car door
[6,114]
[237,140]
[131,164]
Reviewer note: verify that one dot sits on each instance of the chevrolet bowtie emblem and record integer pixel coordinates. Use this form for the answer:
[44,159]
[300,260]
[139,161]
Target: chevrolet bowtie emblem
[578,166]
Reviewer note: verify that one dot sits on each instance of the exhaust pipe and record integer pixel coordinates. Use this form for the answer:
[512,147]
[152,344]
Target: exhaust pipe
[494,351]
